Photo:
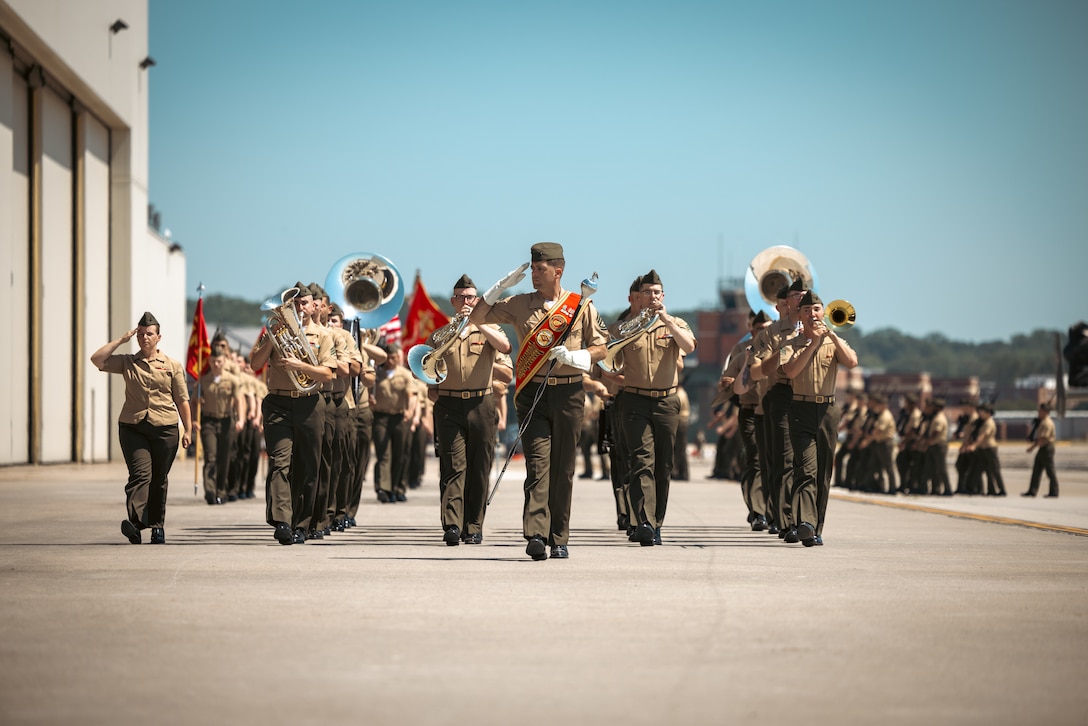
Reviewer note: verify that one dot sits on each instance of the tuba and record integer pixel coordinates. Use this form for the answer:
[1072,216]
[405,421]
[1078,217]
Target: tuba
[769,271]
[626,333]
[285,329]
[367,287]
[426,362]
[839,315]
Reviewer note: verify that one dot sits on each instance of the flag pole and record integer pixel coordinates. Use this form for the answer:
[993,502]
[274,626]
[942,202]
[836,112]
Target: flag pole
[199,367]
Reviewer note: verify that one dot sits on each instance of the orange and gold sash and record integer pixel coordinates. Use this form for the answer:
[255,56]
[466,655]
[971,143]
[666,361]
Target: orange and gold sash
[542,338]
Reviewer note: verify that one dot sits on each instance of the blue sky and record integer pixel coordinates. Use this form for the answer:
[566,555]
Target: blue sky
[930,158]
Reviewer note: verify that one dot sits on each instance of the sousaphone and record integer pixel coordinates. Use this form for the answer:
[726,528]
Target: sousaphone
[367,286]
[769,271]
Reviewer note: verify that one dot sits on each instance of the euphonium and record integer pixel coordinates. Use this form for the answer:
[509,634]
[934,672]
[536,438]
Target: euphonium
[285,329]
[626,332]
[839,315]
[426,362]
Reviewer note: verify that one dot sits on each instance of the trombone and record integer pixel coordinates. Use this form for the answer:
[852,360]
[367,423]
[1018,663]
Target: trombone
[840,315]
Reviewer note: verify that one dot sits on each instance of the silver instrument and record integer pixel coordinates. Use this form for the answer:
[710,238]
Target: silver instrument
[426,362]
[769,271]
[367,287]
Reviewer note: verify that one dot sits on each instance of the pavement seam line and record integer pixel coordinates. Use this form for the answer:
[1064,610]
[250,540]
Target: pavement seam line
[965,515]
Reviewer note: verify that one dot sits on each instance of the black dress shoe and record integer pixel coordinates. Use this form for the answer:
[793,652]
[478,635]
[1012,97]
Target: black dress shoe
[232,497]
[805,531]
[644,534]
[759,523]
[791,536]
[536,548]
[349,521]
[632,534]
[298,536]
[401,497]
[817,541]
[158,536]
[1051,496]
[477,538]
[621,523]
[314,534]
[283,534]
[131,531]
[209,498]
[1028,494]
[657,536]
[772,529]
[383,497]
[326,531]
[559,552]
[452,537]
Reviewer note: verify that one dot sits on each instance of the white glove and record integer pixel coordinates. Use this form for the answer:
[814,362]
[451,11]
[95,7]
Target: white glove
[574,358]
[512,278]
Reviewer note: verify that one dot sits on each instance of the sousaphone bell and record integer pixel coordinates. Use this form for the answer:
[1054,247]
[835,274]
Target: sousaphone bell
[769,271]
[367,287]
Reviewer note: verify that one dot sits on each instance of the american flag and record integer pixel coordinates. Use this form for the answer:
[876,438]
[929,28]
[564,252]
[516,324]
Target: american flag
[391,331]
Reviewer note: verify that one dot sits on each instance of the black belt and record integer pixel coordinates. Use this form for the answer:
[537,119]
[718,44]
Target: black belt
[748,407]
[652,392]
[813,399]
[333,396]
[464,394]
[292,393]
[557,380]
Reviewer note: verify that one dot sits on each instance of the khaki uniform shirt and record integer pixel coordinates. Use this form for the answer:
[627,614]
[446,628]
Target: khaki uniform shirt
[652,360]
[154,387]
[818,377]
[884,427]
[1047,432]
[937,431]
[217,394]
[276,375]
[394,390]
[766,344]
[526,310]
[469,362]
[986,437]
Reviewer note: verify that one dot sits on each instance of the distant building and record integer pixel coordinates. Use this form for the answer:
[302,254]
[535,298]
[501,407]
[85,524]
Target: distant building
[75,242]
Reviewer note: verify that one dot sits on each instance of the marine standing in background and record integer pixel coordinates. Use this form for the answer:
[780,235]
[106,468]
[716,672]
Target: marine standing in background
[651,408]
[222,415]
[156,397]
[396,411]
[1045,435]
[465,418]
[552,324]
[934,444]
[879,443]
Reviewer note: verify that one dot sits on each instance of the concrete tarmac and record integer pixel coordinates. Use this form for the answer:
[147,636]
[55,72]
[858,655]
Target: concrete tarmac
[908,615]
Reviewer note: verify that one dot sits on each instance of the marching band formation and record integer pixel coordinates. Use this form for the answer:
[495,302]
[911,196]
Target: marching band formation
[332,392]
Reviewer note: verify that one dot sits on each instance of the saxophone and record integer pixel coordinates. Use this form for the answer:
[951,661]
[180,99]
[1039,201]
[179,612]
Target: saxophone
[285,329]
[426,362]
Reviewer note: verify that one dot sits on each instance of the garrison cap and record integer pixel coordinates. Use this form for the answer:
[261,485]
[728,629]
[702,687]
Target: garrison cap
[147,319]
[635,285]
[783,293]
[217,353]
[877,398]
[303,290]
[760,318]
[543,251]
[937,402]
[811,298]
[317,291]
[463,281]
[798,285]
[336,310]
[987,407]
[910,398]
[650,278]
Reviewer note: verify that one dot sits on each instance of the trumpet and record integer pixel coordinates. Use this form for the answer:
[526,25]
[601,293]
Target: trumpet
[285,329]
[839,315]
[627,331]
[426,362]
